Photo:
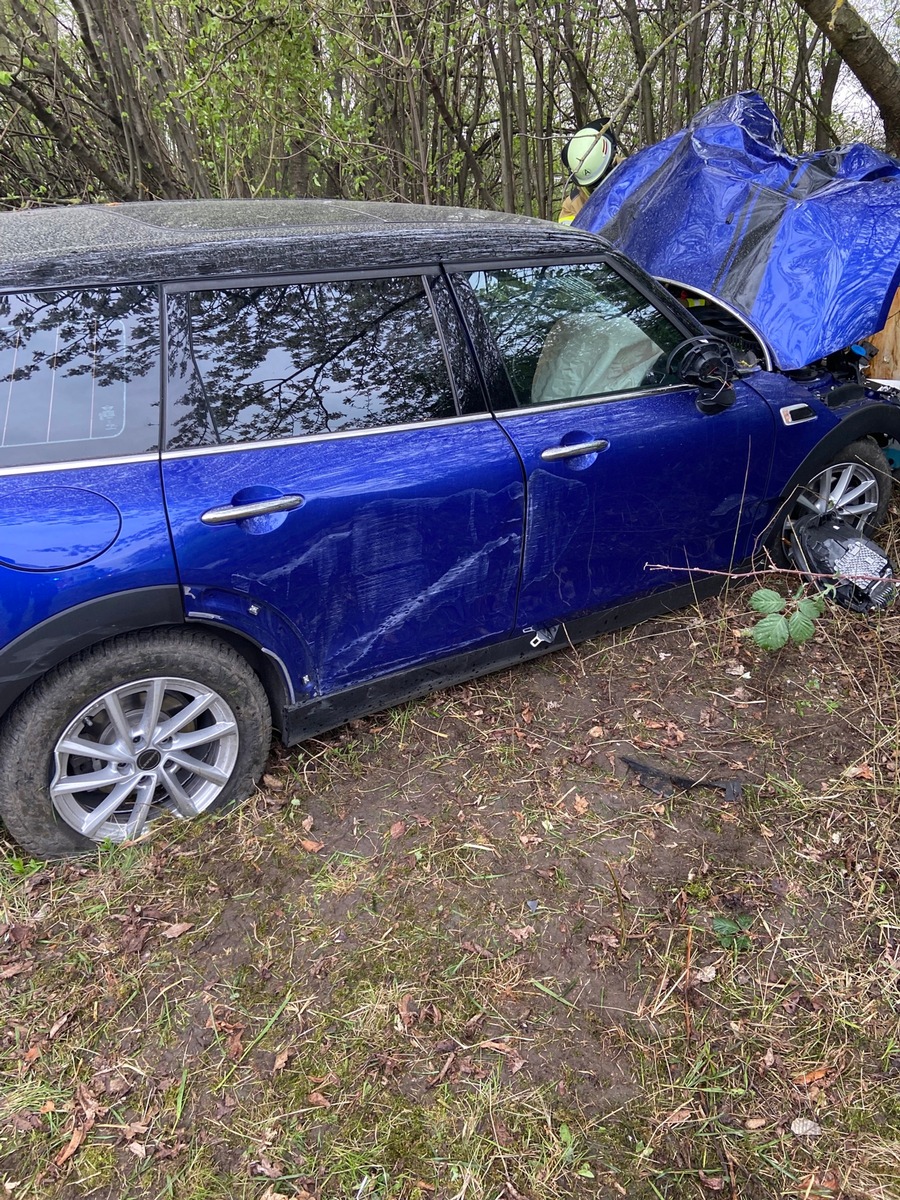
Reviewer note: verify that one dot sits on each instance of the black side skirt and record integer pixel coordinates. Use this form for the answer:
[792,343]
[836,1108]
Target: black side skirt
[312,717]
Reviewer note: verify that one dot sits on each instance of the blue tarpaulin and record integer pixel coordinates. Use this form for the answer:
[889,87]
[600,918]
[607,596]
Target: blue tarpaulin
[807,248]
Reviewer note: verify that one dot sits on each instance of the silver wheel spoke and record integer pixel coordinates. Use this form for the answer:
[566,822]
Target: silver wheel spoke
[119,721]
[814,506]
[189,713]
[152,705]
[856,510]
[837,492]
[864,488]
[86,749]
[202,737]
[138,818]
[85,783]
[179,797]
[104,811]
[197,767]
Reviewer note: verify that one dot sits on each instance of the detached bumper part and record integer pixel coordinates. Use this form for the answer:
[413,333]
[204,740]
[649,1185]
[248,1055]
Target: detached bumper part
[838,556]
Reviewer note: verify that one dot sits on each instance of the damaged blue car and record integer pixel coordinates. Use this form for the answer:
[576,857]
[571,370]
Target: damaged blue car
[276,464]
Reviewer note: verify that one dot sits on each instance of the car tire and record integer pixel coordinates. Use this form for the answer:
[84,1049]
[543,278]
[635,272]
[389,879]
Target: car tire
[136,714]
[861,464]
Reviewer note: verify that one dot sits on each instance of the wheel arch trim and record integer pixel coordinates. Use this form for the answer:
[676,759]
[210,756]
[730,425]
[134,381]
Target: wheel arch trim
[44,646]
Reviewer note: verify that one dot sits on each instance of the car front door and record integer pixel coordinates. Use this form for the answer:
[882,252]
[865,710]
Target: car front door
[334,485]
[631,487]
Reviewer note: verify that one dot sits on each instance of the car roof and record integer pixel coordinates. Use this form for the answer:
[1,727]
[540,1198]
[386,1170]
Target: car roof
[162,240]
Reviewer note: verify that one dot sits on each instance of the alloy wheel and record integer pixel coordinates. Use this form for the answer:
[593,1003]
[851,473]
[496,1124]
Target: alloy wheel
[156,745]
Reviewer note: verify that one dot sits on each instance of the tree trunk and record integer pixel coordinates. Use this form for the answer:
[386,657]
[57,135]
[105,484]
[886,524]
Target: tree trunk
[867,57]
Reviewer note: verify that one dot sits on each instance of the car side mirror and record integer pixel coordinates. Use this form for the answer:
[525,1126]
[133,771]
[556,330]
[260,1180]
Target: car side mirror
[709,364]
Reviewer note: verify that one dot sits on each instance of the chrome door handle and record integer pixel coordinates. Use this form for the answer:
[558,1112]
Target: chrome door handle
[553,453]
[258,508]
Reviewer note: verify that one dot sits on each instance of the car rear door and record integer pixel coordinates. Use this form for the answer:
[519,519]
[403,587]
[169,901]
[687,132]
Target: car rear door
[631,487]
[334,485]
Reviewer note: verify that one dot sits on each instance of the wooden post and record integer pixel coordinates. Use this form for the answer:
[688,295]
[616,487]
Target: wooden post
[886,363]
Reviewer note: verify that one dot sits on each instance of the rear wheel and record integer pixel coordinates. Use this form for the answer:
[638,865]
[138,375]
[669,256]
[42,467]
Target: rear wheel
[167,722]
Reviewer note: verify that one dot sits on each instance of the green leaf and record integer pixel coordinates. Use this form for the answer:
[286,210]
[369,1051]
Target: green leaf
[766,600]
[585,1172]
[800,627]
[771,632]
[731,933]
[812,606]
[565,1135]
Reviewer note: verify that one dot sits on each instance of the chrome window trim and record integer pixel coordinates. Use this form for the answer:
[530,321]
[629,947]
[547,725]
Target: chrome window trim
[558,405]
[81,463]
[302,439]
[288,278]
[767,354]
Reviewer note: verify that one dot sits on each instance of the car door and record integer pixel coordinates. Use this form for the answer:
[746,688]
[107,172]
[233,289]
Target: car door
[631,487]
[334,485]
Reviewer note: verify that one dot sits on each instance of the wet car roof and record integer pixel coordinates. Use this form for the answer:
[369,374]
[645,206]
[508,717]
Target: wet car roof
[189,239]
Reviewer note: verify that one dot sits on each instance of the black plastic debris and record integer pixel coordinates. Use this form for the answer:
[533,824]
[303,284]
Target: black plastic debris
[663,782]
[838,557]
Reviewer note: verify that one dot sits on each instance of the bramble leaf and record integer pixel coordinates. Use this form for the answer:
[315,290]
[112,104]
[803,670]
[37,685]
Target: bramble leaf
[771,633]
[767,600]
[813,606]
[800,627]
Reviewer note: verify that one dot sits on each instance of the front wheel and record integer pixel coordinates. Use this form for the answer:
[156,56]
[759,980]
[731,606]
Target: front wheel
[147,724]
[856,488]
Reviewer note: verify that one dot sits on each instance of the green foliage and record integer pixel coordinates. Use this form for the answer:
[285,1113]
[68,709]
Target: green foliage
[447,104]
[731,931]
[785,618]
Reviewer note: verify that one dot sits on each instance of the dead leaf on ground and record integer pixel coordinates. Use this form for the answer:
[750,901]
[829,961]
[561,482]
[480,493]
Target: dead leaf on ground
[679,1116]
[820,1184]
[530,839]
[522,934]
[138,1149]
[281,1059]
[134,1129]
[755,1123]
[581,805]
[318,1100]
[311,845]
[474,948]
[177,929]
[810,1076]
[15,969]
[768,1060]
[59,1024]
[397,830]
[804,1127]
[78,1136]
[714,1183]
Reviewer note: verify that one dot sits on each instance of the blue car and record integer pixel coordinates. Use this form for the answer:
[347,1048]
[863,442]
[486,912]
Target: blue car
[276,464]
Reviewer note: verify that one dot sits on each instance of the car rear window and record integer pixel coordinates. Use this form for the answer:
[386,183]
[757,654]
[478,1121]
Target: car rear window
[79,375]
[253,364]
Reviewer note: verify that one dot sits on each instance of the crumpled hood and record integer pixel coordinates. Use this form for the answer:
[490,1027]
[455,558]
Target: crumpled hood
[807,249]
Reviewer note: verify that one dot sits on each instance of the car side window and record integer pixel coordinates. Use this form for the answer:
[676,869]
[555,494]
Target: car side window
[79,375]
[573,331]
[252,364]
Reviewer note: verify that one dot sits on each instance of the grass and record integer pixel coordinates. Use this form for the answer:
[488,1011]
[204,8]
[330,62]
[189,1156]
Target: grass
[510,970]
